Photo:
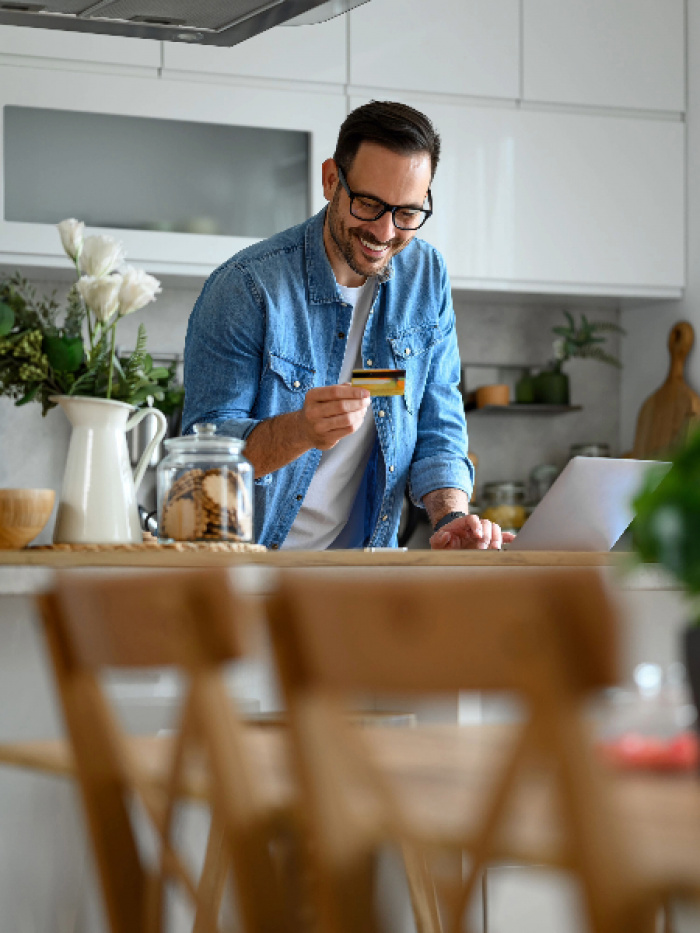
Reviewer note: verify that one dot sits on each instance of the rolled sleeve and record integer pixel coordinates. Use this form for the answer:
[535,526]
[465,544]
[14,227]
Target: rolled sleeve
[434,473]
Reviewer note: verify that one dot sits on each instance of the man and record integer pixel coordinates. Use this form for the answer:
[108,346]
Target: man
[278,329]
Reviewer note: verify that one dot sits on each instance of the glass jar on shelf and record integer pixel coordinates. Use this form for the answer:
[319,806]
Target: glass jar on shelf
[504,503]
[205,489]
[590,450]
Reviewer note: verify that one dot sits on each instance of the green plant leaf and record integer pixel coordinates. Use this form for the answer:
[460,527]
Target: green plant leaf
[65,354]
[29,395]
[7,319]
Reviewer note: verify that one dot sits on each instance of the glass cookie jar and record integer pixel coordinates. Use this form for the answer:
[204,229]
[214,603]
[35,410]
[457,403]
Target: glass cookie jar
[205,489]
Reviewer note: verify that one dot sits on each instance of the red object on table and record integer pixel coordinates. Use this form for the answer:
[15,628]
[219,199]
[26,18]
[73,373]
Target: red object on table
[632,751]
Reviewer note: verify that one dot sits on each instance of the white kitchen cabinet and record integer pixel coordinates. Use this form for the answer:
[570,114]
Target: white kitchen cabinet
[316,52]
[54,48]
[551,202]
[202,108]
[467,47]
[626,53]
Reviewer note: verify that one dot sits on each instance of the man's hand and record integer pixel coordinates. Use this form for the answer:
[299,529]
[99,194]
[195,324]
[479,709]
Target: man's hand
[331,413]
[328,414]
[470,532]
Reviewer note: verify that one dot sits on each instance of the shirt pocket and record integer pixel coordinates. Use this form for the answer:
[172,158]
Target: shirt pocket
[289,381]
[413,351]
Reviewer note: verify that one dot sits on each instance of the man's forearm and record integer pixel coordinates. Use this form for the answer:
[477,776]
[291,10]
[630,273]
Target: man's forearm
[275,442]
[440,502]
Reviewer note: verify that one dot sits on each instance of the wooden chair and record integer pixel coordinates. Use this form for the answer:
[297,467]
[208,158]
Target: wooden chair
[187,621]
[547,638]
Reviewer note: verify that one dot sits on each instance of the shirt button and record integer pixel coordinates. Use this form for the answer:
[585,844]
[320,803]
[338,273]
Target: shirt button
[296,383]
[299,498]
[274,547]
[391,469]
[382,413]
[385,518]
[369,362]
[341,335]
[407,351]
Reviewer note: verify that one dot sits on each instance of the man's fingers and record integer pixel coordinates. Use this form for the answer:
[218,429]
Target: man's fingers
[332,393]
[338,406]
[348,420]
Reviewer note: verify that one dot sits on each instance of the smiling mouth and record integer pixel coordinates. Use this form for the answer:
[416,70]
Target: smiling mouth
[377,249]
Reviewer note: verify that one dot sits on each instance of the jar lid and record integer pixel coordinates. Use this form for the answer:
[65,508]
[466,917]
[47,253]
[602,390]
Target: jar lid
[205,440]
[590,449]
[507,492]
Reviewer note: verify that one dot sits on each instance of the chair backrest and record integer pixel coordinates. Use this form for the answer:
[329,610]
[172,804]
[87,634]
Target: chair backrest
[189,620]
[549,637]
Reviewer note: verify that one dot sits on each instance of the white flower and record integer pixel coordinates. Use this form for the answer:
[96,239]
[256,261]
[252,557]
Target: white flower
[100,256]
[137,290]
[101,295]
[72,232]
[559,347]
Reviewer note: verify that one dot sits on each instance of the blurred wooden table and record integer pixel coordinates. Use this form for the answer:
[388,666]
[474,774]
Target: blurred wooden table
[441,772]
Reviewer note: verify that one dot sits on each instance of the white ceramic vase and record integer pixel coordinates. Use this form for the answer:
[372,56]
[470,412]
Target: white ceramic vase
[98,497]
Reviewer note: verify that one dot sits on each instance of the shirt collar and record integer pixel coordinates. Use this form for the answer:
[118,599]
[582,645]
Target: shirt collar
[323,287]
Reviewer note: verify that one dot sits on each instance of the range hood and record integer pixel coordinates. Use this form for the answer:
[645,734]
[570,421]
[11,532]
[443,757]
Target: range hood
[201,22]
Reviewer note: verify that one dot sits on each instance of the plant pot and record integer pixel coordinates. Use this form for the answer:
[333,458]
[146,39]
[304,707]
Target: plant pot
[551,388]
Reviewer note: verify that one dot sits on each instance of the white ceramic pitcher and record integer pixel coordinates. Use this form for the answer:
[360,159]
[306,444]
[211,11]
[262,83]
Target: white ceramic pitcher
[98,498]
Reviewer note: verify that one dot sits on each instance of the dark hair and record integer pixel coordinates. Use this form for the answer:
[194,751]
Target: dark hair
[395,126]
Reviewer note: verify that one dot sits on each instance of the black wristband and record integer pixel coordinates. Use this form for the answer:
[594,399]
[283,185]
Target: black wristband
[446,519]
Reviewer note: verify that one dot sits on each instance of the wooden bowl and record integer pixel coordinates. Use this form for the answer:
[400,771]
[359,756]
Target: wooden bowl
[23,513]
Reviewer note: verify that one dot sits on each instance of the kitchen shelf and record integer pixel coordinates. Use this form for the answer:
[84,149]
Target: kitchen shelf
[524,409]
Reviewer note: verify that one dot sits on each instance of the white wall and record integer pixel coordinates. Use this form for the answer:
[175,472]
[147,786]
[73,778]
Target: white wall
[645,349]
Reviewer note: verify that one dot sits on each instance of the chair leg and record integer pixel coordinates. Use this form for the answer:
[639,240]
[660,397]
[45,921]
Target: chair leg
[212,881]
[422,891]
[667,915]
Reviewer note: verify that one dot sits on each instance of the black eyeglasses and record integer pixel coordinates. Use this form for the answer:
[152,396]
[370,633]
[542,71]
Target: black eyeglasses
[365,207]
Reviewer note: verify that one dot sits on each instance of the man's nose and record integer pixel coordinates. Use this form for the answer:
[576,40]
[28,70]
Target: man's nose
[383,228]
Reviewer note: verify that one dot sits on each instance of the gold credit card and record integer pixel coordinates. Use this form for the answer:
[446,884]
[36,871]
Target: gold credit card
[380,381]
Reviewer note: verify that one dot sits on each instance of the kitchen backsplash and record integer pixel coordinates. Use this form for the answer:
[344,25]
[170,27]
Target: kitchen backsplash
[508,445]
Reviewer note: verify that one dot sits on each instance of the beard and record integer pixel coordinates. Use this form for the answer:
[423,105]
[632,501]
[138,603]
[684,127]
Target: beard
[346,240]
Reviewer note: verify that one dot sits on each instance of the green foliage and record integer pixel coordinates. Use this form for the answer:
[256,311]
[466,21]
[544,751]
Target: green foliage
[665,529]
[43,353]
[584,340]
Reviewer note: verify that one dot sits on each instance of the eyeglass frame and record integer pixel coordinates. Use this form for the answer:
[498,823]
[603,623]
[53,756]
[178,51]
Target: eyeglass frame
[386,208]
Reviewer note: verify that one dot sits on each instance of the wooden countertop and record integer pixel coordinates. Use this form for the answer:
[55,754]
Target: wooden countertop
[201,557]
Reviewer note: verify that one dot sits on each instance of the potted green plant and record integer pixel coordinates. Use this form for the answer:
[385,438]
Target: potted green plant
[584,341]
[665,531]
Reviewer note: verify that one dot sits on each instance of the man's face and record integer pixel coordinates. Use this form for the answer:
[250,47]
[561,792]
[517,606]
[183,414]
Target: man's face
[360,248]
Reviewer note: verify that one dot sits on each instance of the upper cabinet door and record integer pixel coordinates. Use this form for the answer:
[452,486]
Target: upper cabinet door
[54,46]
[605,53]
[193,171]
[552,202]
[468,47]
[295,53]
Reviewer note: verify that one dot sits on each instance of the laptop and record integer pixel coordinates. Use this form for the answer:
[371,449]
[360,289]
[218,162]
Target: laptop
[587,507]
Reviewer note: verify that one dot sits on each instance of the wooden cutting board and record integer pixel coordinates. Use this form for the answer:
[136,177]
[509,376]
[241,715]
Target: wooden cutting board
[667,414]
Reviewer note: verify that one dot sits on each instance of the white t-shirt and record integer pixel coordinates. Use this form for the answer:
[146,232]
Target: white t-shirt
[329,499]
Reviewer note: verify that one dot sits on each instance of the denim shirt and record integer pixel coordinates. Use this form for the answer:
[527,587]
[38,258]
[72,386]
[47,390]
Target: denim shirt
[270,324]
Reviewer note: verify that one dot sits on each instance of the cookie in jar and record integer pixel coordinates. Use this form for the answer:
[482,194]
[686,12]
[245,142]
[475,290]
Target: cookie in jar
[205,489]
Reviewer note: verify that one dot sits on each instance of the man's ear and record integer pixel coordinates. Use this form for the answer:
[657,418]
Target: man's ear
[329,175]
